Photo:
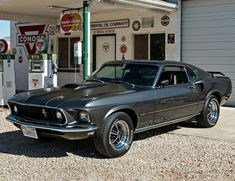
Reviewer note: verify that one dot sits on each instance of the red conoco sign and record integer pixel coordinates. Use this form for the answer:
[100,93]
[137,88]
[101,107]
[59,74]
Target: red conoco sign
[29,34]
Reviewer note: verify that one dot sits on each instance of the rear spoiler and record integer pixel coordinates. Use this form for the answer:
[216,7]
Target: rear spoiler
[216,73]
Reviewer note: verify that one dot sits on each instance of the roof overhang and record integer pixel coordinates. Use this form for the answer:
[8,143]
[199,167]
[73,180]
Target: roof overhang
[48,11]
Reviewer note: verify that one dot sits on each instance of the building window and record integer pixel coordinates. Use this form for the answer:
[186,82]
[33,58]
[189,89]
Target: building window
[66,53]
[149,46]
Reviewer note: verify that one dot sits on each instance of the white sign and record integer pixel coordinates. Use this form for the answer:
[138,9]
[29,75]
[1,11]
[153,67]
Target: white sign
[123,23]
[78,52]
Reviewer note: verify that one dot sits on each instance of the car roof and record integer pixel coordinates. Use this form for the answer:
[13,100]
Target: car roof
[147,62]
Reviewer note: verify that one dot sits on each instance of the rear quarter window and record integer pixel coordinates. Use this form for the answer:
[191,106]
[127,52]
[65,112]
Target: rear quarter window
[191,75]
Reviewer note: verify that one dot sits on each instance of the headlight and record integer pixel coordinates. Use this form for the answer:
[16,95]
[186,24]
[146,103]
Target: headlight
[15,109]
[59,115]
[84,117]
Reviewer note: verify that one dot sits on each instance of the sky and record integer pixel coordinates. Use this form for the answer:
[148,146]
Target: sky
[4,28]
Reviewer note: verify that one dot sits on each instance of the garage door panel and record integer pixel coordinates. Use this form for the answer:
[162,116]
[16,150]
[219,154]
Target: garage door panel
[210,67]
[210,46]
[207,53]
[209,16]
[210,24]
[227,7]
[208,31]
[231,75]
[191,3]
[209,39]
[214,60]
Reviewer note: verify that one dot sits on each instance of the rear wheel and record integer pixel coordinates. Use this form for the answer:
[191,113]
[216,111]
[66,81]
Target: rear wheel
[210,113]
[115,135]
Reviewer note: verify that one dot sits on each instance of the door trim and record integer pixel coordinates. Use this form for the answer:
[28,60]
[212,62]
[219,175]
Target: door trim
[94,48]
[139,130]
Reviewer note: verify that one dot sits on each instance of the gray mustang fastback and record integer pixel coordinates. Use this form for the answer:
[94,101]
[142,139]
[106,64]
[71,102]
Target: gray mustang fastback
[120,99]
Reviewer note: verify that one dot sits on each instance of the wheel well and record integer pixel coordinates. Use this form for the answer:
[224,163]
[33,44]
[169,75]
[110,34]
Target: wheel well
[132,115]
[217,95]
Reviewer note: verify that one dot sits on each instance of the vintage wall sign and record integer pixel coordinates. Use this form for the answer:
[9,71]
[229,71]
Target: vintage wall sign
[113,24]
[123,48]
[106,47]
[171,38]
[148,22]
[123,38]
[3,46]
[29,34]
[70,22]
[42,45]
[108,31]
[165,20]
[136,25]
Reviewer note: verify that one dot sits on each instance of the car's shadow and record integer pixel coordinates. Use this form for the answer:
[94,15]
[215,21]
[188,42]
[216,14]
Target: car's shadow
[15,143]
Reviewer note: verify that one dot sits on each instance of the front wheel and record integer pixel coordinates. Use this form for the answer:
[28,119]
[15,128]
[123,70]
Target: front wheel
[210,113]
[115,135]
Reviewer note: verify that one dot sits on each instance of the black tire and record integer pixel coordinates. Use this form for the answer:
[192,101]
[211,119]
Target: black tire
[106,142]
[210,114]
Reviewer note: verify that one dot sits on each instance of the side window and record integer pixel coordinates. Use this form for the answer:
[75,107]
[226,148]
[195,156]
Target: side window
[191,74]
[174,74]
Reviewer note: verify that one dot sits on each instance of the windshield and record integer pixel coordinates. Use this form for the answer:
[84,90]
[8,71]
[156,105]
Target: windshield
[137,74]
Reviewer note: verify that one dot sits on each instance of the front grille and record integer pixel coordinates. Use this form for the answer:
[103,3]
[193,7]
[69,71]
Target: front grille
[37,114]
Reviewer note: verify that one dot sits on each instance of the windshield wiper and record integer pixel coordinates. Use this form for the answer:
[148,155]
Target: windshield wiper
[121,81]
[95,80]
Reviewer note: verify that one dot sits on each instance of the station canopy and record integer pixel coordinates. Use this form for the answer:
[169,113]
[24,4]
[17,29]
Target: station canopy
[48,11]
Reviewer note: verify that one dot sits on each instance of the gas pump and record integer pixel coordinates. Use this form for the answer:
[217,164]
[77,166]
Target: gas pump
[7,74]
[42,68]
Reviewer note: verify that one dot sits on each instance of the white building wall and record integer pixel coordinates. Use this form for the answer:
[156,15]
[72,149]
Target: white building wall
[129,33]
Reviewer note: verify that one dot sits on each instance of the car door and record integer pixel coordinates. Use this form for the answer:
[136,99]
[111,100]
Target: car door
[175,95]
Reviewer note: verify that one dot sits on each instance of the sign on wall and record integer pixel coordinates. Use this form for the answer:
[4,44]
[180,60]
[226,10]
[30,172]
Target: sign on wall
[165,20]
[3,46]
[112,24]
[148,22]
[171,38]
[78,52]
[29,34]
[70,22]
[136,25]
[42,45]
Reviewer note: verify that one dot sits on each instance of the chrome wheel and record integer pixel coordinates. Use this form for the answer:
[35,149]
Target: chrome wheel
[212,112]
[120,135]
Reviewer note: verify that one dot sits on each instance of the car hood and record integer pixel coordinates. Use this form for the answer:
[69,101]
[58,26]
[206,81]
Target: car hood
[81,94]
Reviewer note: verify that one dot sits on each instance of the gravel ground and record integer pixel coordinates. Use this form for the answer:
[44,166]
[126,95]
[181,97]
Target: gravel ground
[154,155]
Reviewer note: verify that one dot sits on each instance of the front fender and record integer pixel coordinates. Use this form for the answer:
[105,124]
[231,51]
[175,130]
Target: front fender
[118,108]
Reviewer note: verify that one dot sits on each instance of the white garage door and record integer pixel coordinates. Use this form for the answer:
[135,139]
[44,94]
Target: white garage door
[208,36]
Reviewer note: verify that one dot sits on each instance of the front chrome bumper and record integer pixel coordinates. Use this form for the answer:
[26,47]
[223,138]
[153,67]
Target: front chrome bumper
[67,132]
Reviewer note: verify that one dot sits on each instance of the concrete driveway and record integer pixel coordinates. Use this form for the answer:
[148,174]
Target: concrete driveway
[224,130]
